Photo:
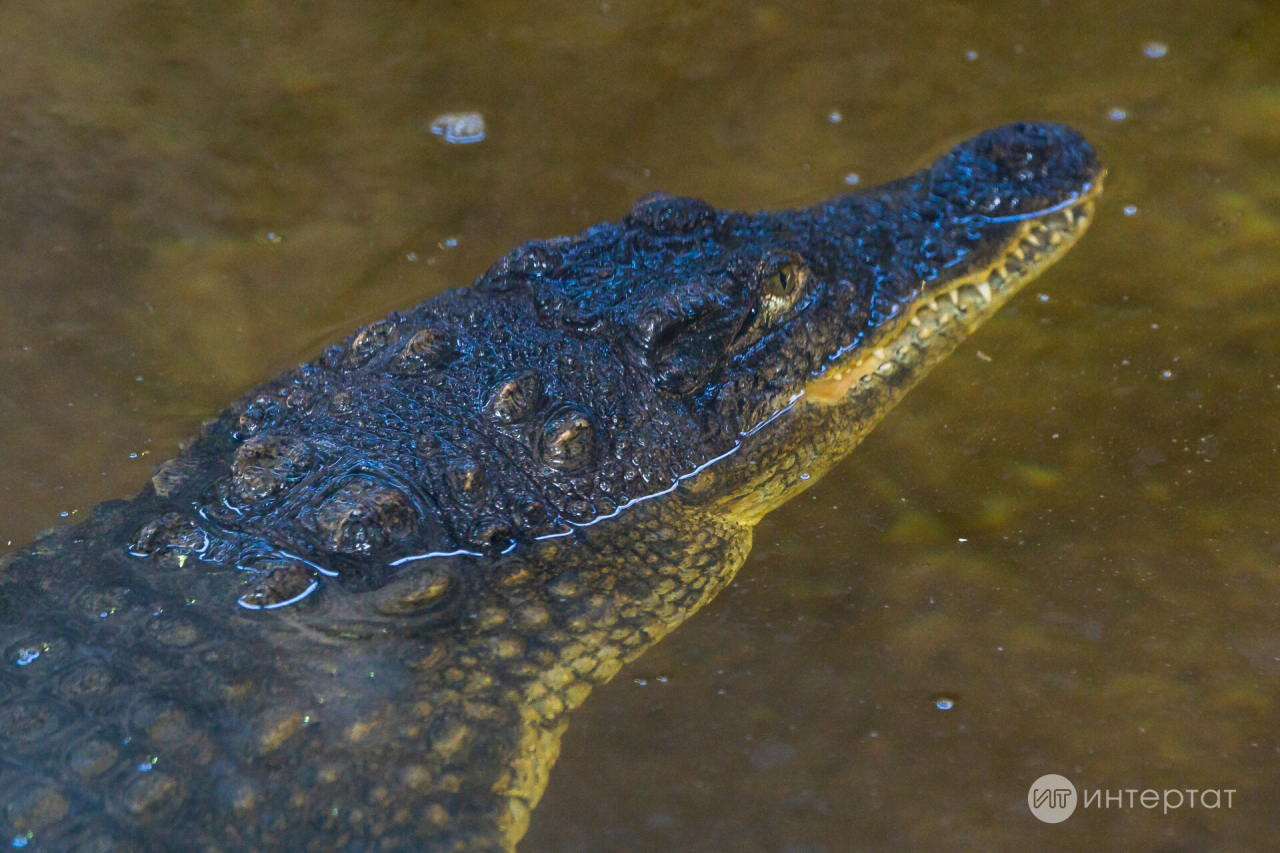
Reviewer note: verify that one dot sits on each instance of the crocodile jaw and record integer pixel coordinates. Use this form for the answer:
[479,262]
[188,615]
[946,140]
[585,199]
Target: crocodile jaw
[817,427]
[919,340]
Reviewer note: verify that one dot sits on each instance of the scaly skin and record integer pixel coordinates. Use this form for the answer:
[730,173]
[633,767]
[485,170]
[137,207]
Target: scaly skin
[355,613]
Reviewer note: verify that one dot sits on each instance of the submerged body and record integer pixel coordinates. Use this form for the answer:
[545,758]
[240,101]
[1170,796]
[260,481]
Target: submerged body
[355,613]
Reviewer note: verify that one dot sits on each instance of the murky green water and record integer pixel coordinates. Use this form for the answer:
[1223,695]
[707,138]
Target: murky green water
[1069,530]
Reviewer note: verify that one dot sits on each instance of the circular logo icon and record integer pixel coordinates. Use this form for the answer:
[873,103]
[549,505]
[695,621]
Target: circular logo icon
[1052,798]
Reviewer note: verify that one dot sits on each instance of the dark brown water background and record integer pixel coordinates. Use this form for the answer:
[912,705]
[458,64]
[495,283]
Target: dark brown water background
[1069,530]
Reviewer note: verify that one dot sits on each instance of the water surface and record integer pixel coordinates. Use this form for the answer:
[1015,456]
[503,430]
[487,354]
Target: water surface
[1066,531]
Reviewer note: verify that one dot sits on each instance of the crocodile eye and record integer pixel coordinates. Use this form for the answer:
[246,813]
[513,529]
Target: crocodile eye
[780,287]
[781,291]
[783,282]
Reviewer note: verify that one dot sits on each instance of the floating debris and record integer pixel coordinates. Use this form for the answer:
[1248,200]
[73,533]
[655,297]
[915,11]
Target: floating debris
[459,128]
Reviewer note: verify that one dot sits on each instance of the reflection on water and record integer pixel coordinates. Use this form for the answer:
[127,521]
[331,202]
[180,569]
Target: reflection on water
[1065,531]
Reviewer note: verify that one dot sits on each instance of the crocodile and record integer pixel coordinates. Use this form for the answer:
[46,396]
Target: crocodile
[356,611]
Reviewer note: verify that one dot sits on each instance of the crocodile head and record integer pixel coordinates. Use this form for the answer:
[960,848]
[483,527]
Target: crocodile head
[845,305]
[582,375]
[489,502]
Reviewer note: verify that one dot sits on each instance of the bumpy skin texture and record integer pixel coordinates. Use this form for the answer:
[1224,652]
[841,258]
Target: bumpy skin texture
[355,612]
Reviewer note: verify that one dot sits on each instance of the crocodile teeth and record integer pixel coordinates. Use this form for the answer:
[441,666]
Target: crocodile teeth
[1070,215]
[1033,239]
[915,321]
[1019,254]
[879,354]
[985,290]
[933,305]
[955,297]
